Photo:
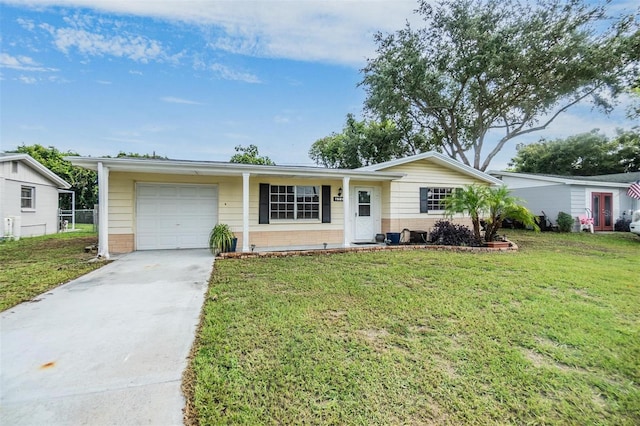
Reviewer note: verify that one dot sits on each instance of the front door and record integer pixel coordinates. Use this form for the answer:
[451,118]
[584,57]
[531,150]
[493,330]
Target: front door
[364,229]
[602,208]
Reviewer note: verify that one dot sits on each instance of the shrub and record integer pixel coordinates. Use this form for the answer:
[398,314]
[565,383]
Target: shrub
[451,234]
[622,225]
[565,222]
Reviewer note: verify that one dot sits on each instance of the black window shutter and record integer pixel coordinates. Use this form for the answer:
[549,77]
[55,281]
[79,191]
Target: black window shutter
[423,200]
[326,204]
[263,215]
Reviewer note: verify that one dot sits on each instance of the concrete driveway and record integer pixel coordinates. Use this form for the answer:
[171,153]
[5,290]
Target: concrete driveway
[108,348]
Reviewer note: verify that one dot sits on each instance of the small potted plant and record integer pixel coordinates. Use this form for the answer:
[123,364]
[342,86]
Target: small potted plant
[222,239]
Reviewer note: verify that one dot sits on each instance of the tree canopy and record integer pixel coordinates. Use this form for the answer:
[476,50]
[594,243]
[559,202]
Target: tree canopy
[250,155]
[586,154]
[484,70]
[83,182]
[362,143]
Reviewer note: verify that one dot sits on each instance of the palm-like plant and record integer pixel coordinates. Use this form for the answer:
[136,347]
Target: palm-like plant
[221,238]
[493,204]
[471,199]
[503,206]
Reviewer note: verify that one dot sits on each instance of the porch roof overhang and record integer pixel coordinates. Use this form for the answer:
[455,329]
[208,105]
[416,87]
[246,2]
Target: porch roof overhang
[569,180]
[214,168]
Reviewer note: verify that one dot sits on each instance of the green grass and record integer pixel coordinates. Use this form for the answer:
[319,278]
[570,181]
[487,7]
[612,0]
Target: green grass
[546,335]
[31,266]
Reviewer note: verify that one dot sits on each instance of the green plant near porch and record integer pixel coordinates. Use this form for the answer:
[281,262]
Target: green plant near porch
[493,204]
[221,238]
[565,222]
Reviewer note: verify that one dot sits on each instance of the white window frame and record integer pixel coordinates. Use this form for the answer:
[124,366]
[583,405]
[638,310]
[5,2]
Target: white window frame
[31,198]
[293,204]
[435,197]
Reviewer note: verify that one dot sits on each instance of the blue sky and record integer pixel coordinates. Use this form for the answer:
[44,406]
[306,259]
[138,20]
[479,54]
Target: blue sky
[193,79]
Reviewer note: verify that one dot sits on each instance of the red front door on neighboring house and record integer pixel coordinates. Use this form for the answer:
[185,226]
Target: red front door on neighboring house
[602,208]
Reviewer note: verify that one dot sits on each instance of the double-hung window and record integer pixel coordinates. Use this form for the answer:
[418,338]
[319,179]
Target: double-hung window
[28,197]
[432,199]
[294,202]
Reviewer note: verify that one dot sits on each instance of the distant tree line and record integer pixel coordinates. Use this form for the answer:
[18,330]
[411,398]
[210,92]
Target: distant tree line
[586,154]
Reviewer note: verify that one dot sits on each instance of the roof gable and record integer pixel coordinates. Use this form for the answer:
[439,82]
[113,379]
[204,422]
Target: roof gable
[38,167]
[437,158]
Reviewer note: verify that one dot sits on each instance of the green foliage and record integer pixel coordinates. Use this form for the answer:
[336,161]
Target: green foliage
[362,143]
[586,154]
[543,336]
[491,204]
[153,156]
[451,234]
[83,182]
[250,155]
[499,67]
[221,238]
[473,200]
[503,206]
[565,222]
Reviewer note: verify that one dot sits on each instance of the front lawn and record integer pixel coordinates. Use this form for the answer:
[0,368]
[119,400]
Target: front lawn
[546,335]
[31,266]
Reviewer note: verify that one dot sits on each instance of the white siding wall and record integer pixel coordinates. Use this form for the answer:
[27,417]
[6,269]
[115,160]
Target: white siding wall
[552,199]
[43,219]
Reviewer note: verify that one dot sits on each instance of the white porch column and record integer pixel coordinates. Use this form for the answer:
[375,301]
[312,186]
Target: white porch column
[103,211]
[245,212]
[346,199]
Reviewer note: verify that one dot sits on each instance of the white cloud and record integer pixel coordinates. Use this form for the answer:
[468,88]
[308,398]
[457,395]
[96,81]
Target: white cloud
[135,72]
[173,100]
[23,63]
[27,80]
[134,47]
[337,31]
[226,73]
[104,82]
[27,24]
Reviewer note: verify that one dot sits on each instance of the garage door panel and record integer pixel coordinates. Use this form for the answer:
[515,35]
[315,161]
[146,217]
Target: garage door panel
[175,215]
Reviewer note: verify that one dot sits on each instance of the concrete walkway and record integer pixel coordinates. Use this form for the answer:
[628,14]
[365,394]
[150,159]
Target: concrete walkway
[108,348]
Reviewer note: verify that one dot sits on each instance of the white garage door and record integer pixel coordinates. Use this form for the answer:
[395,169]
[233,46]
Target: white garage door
[171,216]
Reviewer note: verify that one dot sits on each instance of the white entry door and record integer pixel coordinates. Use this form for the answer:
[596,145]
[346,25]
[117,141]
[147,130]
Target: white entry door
[364,222]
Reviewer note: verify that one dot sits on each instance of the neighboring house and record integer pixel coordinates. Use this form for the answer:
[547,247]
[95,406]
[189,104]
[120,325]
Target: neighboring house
[602,197]
[165,204]
[29,195]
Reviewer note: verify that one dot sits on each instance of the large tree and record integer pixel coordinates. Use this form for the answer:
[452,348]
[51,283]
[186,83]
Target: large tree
[83,182]
[483,70]
[586,154]
[362,143]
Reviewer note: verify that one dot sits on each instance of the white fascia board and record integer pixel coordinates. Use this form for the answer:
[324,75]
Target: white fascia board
[220,168]
[566,181]
[26,158]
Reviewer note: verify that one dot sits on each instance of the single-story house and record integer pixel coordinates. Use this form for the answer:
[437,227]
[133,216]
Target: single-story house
[166,204]
[29,194]
[604,197]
